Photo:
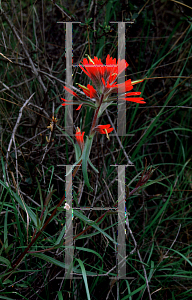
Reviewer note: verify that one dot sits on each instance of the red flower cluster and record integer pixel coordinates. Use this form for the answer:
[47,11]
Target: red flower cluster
[104,78]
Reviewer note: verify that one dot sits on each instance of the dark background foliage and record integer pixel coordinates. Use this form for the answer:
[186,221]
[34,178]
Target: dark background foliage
[32,60]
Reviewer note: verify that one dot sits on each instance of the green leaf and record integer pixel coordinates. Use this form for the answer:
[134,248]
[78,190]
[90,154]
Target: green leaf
[84,277]
[60,297]
[60,237]
[161,211]
[93,224]
[58,263]
[57,109]
[134,292]
[6,298]
[5,261]
[76,163]
[92,166]
[77,152]
[5,230]
[18,199]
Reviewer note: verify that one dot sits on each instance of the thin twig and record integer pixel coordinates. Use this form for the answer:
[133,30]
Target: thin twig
[20,98]
[16,125]
[14,131]
[61,9]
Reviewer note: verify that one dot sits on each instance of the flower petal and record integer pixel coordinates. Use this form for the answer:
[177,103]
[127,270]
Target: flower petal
[79,107]
[103,129]
[133,93]
[137,100]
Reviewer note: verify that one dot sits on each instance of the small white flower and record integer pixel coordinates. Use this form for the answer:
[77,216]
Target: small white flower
[67,207]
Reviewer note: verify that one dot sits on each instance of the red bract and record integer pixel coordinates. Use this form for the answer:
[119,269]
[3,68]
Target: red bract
[104,78]
[79,137]
[89,90]
[103,129]
[72,93]
[97,71]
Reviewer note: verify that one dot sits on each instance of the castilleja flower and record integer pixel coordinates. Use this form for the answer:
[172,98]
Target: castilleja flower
[104,78]
[103,129]
[79,137]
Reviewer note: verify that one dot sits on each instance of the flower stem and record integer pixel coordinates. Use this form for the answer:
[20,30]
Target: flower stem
[96,114]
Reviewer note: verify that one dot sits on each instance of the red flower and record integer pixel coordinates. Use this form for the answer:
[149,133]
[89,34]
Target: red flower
[103,129]
[104,78]
[79,137]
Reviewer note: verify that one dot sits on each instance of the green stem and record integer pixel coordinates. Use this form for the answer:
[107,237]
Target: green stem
[96,115]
